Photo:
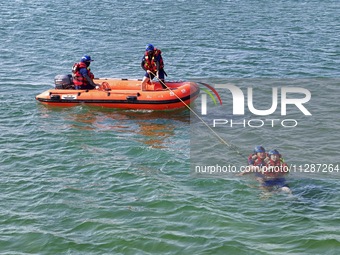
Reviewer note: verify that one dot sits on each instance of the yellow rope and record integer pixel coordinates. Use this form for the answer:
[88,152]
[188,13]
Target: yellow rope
[217,135]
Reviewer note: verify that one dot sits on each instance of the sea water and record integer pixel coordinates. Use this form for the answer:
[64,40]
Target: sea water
[86,180]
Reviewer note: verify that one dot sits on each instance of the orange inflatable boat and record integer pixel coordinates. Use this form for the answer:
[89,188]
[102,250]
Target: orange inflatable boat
[122,93]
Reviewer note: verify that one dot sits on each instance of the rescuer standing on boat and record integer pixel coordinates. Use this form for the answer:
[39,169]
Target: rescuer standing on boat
[82,75]
[152,63]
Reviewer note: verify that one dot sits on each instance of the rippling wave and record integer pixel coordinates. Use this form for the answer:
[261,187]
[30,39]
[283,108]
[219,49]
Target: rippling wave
[87,180]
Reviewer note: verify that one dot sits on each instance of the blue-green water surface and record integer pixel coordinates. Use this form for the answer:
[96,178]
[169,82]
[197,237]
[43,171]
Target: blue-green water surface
[87,180]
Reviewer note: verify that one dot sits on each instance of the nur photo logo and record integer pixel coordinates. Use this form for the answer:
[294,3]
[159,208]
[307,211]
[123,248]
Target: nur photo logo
[284,97]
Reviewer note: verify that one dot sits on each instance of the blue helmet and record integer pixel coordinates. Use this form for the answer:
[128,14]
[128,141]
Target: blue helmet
[149,47]
[86,58]
[258,149]
[273,152]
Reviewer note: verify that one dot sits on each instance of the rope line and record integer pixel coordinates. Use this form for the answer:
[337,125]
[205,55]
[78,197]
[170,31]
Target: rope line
[231,146]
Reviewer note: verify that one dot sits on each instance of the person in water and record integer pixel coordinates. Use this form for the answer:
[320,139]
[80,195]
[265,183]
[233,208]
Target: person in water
[256,160]
[152,63]
[274,173]
[82,75]
[269,169]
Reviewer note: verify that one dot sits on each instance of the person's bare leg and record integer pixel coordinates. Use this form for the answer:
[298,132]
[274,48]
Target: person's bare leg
[145,81]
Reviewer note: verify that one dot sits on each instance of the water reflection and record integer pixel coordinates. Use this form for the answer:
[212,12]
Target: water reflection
[153,128]
[155,134]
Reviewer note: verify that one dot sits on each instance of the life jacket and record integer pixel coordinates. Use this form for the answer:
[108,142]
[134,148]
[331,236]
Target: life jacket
[257,161]
[275,168]
[150,63]
[78,78]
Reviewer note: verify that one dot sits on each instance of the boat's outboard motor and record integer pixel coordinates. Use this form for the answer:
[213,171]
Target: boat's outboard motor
[62,81]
